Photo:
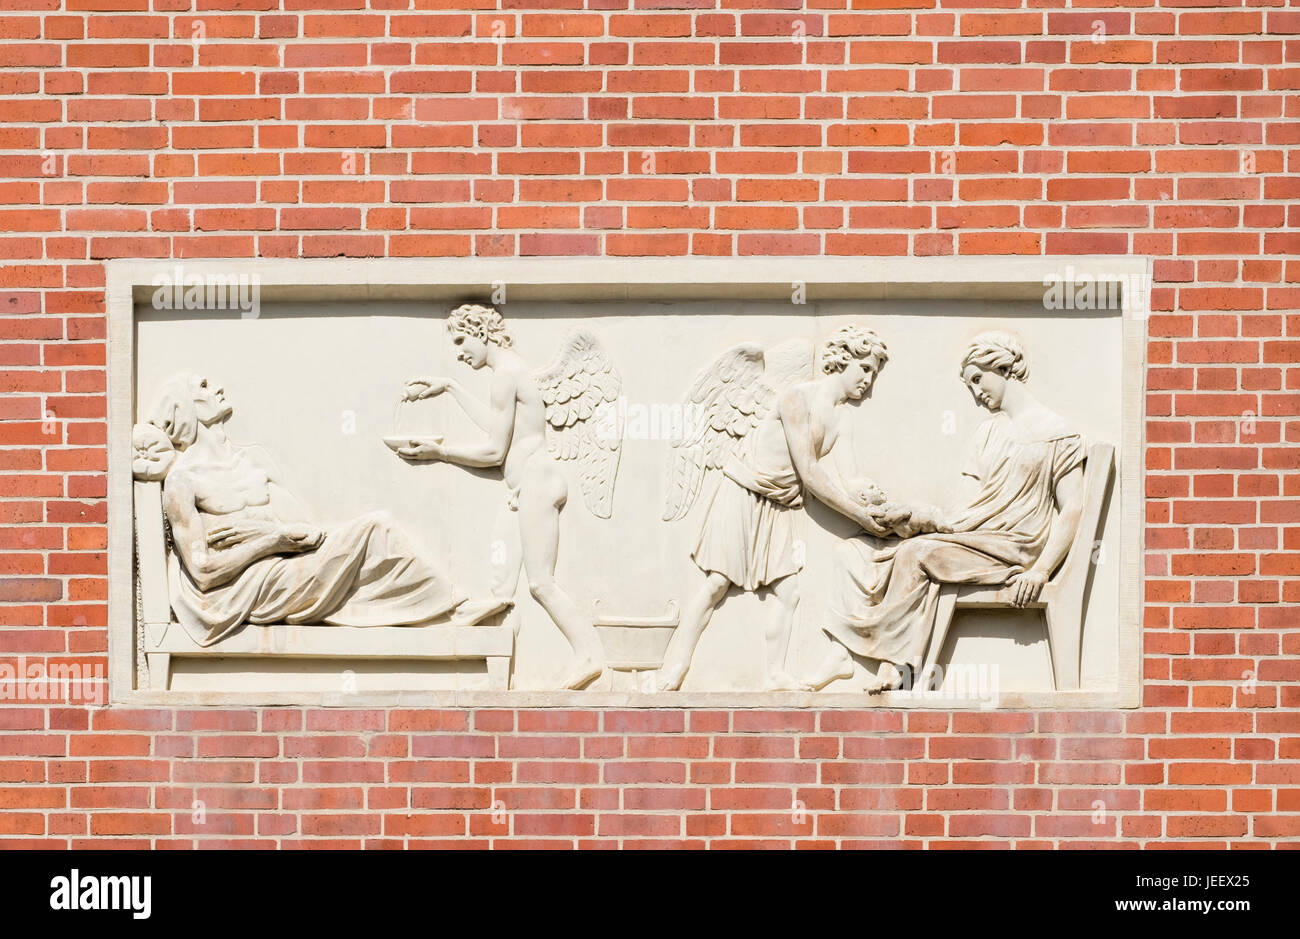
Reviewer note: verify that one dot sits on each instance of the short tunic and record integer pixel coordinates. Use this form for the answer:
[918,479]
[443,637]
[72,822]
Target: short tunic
[749,532]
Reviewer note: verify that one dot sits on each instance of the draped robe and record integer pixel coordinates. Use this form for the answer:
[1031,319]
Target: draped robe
[885,591]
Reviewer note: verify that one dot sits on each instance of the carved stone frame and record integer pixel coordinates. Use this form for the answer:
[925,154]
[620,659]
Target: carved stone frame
[128,281]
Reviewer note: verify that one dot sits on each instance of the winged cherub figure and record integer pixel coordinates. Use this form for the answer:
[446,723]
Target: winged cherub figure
[534,421]
[767,425]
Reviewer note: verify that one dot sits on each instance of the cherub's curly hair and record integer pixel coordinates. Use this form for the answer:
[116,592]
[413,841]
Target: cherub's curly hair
[849,343]
[997,351]
[480,321]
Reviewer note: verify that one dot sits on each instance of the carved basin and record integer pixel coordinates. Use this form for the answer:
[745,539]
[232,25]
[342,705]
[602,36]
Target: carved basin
[635,643]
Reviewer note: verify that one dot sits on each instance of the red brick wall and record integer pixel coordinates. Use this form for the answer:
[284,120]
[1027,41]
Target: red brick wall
[923,127]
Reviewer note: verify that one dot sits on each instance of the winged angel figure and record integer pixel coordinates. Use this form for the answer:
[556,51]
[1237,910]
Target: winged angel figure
[766,422]
[533,422]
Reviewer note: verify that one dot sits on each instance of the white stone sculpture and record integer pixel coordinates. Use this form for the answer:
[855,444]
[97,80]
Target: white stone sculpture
[318,375]
[1015,529]
[533,422]
[152,453]
[244,551]
[767,425]
[902,520]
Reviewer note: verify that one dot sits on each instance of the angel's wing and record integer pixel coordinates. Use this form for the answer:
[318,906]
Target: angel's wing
[725,402]
[579,388]
[788,363]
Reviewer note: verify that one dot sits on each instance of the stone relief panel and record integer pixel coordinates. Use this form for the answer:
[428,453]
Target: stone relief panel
[839,500]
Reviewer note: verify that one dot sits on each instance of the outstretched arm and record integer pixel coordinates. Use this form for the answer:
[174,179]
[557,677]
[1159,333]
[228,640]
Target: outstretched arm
[843,456]
[498,423]
[475,410]
[478,412]
[793,410]
[1069,502]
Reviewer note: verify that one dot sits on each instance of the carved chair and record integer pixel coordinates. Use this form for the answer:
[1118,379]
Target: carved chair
[165,639]
[1062,598]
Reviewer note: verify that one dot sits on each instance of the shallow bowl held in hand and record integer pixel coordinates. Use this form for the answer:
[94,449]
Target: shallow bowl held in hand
[396,443]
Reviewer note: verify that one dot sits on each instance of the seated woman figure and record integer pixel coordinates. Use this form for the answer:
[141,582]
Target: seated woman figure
[1015,531]
[242,552]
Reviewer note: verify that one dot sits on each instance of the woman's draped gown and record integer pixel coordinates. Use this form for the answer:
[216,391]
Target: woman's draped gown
[885,591]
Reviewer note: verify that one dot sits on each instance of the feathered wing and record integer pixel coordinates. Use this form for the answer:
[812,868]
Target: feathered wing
[579,389]
[788,364]
[725,402]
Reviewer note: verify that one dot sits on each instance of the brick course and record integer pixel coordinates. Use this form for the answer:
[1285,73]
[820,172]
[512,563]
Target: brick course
[152,129]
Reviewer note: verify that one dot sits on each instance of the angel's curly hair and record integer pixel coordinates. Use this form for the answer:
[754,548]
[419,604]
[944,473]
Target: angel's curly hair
[997,351]
[481,322]
[850,343]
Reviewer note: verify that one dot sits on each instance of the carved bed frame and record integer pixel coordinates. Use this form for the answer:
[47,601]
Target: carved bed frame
[165,639]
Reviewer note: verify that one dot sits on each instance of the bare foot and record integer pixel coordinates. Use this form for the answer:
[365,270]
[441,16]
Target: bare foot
[670,678]
[887,678]
[583,674]
[473,612]
[838,664]
[781,680]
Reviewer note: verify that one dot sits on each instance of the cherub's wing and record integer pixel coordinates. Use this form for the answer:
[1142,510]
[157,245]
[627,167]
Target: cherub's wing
[788,364]
[579,389]
[725,402]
